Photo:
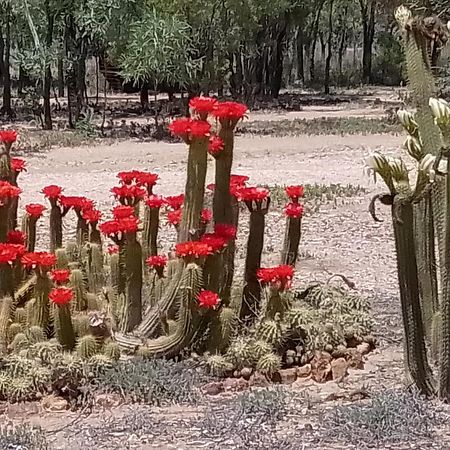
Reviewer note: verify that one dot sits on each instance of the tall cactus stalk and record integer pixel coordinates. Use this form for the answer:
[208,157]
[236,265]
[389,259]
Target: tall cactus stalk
[64,327]
[56,226]
[252,290]
[291,240]
[150,233]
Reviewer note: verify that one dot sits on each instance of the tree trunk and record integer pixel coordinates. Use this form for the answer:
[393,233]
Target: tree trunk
[277,75]
[144,98]
[48,73]
[342,43]
[312,55]
[7,108]
[368,23]
[60,76]
[330,49]
[300,56]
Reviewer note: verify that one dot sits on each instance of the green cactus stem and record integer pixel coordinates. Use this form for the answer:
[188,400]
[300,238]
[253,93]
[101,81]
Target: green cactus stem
[252,290]
[92,258]
[82,231]
[64,327]
[5,162]
[29,229]
[132,315]
[94,234]
[188,321]
[292,237]
[222,203]
[150,233]
[6,311]
[114,270]
[78,285]
[195,190]
[6,275]
[56,232]
[38,312]
[415,353]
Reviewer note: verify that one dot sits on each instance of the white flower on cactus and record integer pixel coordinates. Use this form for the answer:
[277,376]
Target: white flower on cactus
[440,110]
[407,120]
[426,166]
[414,147]
[402,15]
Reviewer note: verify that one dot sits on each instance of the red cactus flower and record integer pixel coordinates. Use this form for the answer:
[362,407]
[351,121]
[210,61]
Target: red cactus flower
[208,299]
[52,191]
[128,193]
[294,210]
[181,127]
[122,212]
[9,253]
[174,217]
[206,216]
[16,237]
[129,224]
[155,201]
[147,179]
[43,260]
[35,210]
[8,190]
[110,228]
[91,215]
[157,261]
[175,201]
[186,128]
[279,277]
[238,179]
[194,249]
[230,111]
[112,249]
[127,177]
[76,202]
[294,192]
[18,164]
[203,105]
[215,242]
[225,230]
[252,194]
[61,296]
[215,145]
[8,136]
[60,276]
[200,128]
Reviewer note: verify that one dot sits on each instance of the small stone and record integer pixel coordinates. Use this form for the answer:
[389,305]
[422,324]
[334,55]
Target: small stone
[290,361]
[354,358]
[304,371]
[213,388]
[258,380]
[321,367]
[54,404]
[288,376]
[235,384]
[339,369]
[108,400]
[339,352]
[363,348]
[246,373]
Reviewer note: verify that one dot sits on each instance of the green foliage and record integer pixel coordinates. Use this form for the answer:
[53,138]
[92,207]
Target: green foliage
[153,382]
[22,436]
[159,49]
[389,417]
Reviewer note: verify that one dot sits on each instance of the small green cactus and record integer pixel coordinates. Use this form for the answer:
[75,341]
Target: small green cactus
[81,324]
[112,351]
[270,331]
[20,342]
[35,334]
[79,290]
[20,316]
[239,353]
[218,365]
[259,349]
[14,329]
[269,364]
[62,260]
[87,346]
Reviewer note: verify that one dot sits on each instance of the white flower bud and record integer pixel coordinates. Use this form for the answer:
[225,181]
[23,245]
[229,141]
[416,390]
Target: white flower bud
[407,120]
[440,110]
[402,15]
[414,147]
[427,166]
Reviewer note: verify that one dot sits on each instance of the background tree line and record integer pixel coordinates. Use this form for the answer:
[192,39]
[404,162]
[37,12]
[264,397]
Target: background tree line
[249,48]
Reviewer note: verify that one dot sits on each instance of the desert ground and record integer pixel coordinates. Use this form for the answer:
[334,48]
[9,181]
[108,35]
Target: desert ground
[338,237]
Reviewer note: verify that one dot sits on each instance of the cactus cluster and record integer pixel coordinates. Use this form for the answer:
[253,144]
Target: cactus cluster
[420,206]
[111,291]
